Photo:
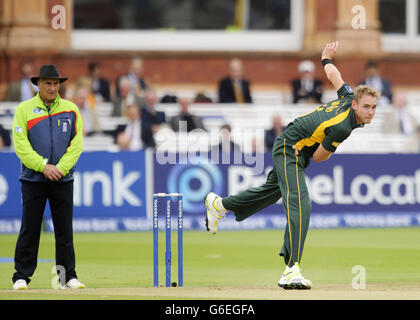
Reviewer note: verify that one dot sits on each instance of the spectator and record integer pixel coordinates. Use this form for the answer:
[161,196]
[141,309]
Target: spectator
[169,98]
[100,86]
[307,89]
[135,76]
[226,143]
[136,134]
[276,129]
[150,114]
[23,89]
[235,89]
[192,122]
[374,80]
[398,119]
[86,82]
[126,98]
[91,124]
[418,138]
[201,97]
[5,141]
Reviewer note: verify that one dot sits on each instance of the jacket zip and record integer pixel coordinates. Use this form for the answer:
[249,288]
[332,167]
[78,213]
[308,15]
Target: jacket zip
[51,135]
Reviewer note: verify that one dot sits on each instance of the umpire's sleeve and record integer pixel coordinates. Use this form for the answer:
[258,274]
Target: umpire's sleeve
[75,148]
[23,148]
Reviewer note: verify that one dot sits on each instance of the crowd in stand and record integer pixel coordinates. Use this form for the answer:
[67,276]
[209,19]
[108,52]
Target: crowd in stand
[135,100]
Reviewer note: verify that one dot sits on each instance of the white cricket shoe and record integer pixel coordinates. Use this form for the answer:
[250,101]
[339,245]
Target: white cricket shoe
[213,214]
[20,285]
[293,279]
[74,284]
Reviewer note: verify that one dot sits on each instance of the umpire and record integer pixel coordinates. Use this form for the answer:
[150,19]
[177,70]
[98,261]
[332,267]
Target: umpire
[47,136]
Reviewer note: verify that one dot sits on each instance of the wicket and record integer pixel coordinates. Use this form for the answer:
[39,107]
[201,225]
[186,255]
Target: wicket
[168,253]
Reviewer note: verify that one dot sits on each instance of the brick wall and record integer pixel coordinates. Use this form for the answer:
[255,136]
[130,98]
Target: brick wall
[208,70]
[326,15]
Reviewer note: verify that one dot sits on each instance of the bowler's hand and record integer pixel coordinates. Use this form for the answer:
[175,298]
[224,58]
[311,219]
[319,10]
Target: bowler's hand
[51,172]
[296,150]
[329,50]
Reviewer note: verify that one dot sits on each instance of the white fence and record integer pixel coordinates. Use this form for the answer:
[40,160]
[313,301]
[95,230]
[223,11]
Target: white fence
[248,122]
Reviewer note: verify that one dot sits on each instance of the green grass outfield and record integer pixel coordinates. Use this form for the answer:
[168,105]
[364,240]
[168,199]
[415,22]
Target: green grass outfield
[119,265]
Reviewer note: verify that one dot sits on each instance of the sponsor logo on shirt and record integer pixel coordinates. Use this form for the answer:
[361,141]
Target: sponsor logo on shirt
[38,110]
[349,90]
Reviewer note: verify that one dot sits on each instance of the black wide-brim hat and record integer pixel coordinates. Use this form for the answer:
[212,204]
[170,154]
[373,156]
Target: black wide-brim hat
[48,71]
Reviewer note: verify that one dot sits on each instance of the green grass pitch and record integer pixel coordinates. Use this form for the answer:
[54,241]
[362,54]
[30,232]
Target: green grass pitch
[228,259]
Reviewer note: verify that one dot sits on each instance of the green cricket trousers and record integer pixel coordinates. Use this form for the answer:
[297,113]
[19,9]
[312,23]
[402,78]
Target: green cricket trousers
[287,181]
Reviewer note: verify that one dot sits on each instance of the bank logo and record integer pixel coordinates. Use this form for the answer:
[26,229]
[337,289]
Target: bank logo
[195,182]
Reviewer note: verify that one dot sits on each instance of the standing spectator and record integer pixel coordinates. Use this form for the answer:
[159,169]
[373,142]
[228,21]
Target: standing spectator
[374,80]
[22,89]
[48,139]
[136,134]
[276,129]
[234,88]
[191,122]
[150,114]
[100,86]
[126,98]
[398,119]
[135,76]
[5,141]
[91,124]
[307,89]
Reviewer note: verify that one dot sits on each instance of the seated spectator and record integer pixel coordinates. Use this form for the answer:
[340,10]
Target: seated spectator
[5,141]
[136,134]
[202,98]
[100,86]
[150,114]
[374,80]
[226,144]
[86,82]
[234,88]
[276,129]
[418,138]
[91,124]
[126,98]
[169,98]
[191,122]
[22,89]
[398,119]
[307,89]
[138,84]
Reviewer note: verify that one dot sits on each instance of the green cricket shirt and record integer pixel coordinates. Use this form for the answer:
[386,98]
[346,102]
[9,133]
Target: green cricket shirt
[329,125]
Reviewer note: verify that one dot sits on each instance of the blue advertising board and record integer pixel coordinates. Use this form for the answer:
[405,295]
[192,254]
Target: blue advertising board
[348,190]
[113,191]
[109,192]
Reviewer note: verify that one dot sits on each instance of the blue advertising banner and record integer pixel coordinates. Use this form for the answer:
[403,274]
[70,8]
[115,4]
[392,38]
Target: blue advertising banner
[113,191]
[109,191]
[348,190]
